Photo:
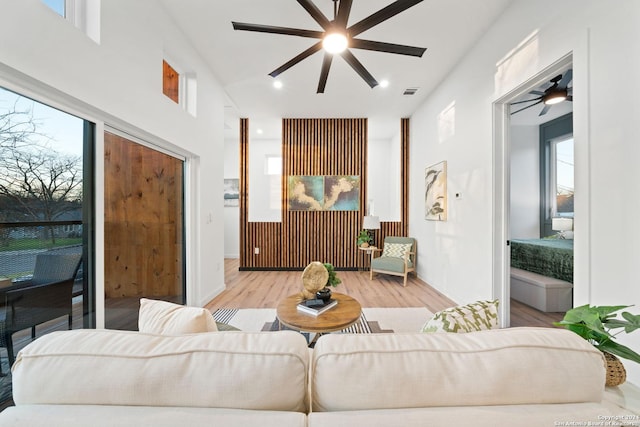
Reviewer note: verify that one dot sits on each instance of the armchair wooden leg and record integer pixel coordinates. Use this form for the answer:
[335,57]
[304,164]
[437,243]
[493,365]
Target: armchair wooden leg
[404,283]
[370,274]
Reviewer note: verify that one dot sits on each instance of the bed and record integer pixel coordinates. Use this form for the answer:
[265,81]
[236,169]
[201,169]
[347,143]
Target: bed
[548,257]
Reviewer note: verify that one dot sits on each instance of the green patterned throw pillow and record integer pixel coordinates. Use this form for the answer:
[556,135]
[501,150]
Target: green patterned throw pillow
[476,316]
[395,250]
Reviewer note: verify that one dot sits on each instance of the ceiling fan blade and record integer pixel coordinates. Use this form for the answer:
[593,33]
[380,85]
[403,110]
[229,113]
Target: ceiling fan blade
[324,73]
[387,47]
[313,49]
[277,30]
[544,110]
[359,68]
[536,92]
[315,13]
[527,100]
[528,106]
[382,15]
[566,79]
[343,13]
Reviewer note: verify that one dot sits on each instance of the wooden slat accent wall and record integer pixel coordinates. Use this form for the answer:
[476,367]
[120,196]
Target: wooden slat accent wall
[315,147]
[323,147]
[143,225]
[404,170]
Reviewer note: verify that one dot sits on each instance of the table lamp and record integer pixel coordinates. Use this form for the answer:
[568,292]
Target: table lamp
[371,222]
[562,225]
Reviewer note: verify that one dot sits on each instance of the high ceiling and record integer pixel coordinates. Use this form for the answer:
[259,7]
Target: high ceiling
[242,60]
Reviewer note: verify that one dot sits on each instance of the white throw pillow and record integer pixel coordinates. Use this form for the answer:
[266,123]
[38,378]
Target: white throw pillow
[165,318]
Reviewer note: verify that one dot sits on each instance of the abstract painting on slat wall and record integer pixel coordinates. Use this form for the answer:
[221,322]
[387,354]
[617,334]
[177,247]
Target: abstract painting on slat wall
[323,193]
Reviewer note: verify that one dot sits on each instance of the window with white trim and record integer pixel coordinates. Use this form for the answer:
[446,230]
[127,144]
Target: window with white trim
[83,14]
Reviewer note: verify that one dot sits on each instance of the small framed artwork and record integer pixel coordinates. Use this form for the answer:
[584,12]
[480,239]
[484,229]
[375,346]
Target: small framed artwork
[231,192]
[435,194]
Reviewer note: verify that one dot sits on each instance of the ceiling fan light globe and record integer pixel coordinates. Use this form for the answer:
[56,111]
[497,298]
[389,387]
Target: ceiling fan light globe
[335,43]
[555,97]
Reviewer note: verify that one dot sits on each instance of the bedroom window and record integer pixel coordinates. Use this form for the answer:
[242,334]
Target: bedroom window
[556,171]
[562,177]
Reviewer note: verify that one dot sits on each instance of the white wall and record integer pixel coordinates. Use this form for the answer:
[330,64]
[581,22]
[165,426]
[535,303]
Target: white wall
[231,213]
[119,81]
[525,182]
[456,256]
[265,191]
[383,178]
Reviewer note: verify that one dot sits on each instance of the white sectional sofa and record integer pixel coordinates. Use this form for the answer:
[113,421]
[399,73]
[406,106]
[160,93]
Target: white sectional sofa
[505,377]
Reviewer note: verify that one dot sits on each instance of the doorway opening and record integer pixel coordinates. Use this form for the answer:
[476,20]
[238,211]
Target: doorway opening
[530,149]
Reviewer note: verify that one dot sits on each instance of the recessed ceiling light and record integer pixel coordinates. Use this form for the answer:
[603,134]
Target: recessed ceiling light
[259,131]
[384,83]
[277,84]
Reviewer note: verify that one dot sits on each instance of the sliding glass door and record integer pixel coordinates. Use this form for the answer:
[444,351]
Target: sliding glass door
[46,224]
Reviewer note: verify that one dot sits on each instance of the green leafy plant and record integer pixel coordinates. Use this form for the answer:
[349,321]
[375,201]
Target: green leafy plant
[364,237]
[595,324]
[333,278]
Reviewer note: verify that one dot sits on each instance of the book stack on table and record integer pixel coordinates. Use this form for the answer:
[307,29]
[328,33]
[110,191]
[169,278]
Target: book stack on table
[316,307]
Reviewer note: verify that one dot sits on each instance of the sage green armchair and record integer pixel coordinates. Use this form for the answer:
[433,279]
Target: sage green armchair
[398,257]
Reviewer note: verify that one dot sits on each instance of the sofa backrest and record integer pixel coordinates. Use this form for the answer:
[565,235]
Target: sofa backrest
[494,367]
[238,370]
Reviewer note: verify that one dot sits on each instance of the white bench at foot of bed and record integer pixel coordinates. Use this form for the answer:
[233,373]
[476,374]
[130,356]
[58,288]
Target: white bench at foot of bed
[545,293]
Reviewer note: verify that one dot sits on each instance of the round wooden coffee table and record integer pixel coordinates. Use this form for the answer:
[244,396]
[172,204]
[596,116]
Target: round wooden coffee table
[343,315]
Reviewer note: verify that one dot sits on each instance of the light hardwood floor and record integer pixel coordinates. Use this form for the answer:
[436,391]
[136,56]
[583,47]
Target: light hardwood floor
[264,289]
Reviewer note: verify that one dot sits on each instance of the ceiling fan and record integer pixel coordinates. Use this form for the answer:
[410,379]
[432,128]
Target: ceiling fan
[338,38]
[554,94]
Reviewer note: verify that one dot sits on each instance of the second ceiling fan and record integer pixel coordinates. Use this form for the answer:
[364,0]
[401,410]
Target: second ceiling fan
[338,38]
[554,94]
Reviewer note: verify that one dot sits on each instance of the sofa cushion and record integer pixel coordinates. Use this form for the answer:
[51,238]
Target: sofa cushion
[390,264]
[478,416]
[127,416]
[235,370]
[494,367]
[476,316]
[165,318]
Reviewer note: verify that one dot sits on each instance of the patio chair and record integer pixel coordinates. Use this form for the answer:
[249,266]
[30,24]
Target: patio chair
[53,267]
[27,307]
[47,296]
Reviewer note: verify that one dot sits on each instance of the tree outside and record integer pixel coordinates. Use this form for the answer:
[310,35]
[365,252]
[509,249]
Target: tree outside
[38,182]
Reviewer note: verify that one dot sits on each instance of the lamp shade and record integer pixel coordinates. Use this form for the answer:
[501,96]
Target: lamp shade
[561,224]
[371,222]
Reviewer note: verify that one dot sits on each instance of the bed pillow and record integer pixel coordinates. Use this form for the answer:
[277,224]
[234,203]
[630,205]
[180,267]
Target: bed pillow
[165,318]
[476,316]
[395,250]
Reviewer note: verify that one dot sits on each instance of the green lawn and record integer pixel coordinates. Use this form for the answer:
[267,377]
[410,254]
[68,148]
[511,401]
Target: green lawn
[23,244]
